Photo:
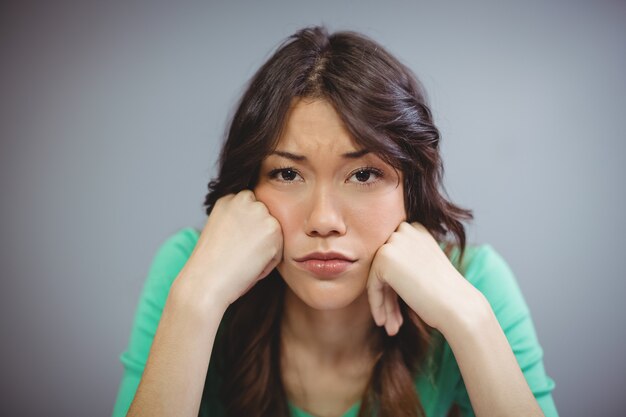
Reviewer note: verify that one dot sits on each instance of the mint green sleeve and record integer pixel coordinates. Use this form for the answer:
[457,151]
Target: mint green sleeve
[491,275]
[166,264]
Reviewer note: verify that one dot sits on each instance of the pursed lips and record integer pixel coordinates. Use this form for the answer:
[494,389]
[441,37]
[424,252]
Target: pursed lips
[325,264]
[325,256]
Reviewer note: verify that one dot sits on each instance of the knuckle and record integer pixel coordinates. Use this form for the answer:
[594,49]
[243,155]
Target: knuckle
[274,223]
[246,194]
[222,201]
[226,198]
[260,207]
[404,226]
[267,225]
[417,226]
[384,250]
[240,196]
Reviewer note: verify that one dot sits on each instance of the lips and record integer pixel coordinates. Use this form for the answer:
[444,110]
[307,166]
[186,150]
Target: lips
[325,264]
[325,256]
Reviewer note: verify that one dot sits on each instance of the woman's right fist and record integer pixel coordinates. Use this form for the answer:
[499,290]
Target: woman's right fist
[241,243]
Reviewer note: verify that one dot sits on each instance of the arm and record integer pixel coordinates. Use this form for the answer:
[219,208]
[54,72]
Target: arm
[163,363]
[166,265]
[491,275]
[471,314]
[494,380]
[159,289]
[175,372]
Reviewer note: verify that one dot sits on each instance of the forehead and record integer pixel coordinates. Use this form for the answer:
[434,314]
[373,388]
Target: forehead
[314,124]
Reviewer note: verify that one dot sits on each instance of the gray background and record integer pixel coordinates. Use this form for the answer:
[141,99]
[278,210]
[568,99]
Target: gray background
[111,118]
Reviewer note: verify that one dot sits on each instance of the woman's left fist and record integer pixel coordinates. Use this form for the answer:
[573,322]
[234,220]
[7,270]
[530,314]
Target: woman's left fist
[412,265]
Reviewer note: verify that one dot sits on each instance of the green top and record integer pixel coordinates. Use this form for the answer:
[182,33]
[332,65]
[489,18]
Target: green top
[438,389]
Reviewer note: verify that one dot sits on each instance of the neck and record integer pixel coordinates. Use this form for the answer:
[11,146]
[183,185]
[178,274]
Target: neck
[332,336]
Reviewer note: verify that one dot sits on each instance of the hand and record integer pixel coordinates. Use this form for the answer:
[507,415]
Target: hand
[241,243]
[412,265]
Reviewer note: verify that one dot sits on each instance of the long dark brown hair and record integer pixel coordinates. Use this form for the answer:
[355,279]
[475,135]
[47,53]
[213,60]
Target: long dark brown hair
[384,108]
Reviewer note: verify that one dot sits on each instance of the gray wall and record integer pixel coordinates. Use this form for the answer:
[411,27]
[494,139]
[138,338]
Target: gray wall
[111,119]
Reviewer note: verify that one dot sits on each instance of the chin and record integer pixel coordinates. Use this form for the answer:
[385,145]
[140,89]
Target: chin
[325,304]
[325,294]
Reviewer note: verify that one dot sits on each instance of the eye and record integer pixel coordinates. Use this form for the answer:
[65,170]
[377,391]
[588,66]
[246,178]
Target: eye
[363,176]
[366,176]
[284,174]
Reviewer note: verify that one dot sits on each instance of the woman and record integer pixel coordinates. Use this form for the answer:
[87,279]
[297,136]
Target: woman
[322,283]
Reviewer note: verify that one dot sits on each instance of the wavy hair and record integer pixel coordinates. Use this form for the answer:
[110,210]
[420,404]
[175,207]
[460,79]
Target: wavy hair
[384,107]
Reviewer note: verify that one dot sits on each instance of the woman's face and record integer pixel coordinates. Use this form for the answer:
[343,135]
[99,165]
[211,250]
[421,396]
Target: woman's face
[336,204]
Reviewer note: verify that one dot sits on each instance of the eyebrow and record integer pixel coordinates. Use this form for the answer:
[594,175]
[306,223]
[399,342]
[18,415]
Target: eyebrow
[302,158]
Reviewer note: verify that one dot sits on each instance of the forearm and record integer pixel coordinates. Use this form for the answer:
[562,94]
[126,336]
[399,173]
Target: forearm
[492,376]
[175,372]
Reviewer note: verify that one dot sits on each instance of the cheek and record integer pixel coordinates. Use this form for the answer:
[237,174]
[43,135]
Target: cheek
[286,210]
[370,219]
[378,219]
[374,232]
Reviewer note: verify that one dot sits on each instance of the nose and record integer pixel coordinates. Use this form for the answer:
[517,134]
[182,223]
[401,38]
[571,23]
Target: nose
[325,216]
